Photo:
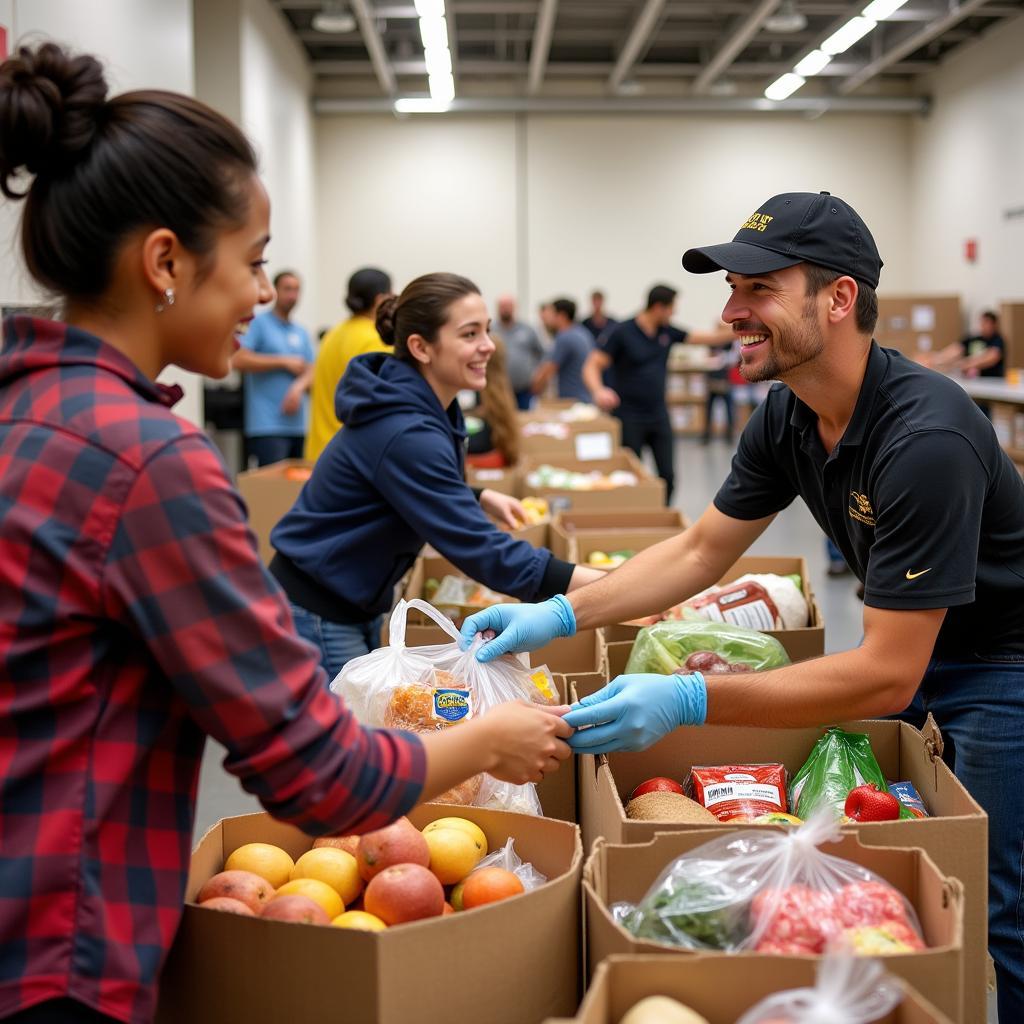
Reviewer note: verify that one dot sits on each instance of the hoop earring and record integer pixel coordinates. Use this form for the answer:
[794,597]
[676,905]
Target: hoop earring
[168,300]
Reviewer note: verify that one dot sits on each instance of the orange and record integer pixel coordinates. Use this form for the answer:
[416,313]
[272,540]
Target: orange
[269,862]
[488,885]
[333,866]
[318,892]
[470,827]
[359,920]
[453,854]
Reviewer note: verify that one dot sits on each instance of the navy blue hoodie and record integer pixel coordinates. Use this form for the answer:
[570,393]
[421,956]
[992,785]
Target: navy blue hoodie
[390,480]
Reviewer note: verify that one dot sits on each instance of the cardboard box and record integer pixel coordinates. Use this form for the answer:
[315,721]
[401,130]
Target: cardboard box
[565,526]
[800,644]
[435,567]
[956,836]
[648,492]
[614,873]
[544,435]
[1011,326]
[518,959]
[720,988]
[918,323]
[505,481]
[269,492]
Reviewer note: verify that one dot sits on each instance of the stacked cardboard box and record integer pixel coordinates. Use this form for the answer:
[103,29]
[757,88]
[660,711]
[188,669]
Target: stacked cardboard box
[269,492]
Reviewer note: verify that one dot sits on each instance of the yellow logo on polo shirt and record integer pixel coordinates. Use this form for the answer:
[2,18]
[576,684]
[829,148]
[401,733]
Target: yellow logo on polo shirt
[757,222]
[861,510]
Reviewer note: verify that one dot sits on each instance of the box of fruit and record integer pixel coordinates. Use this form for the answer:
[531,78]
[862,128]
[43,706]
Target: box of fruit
[443,916]
[954,831]
[864,914]
[619,481]
[568,526]
[717,990]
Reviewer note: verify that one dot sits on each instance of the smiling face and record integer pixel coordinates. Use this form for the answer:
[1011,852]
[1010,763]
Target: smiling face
[777,323]
[460,353]
[218,294]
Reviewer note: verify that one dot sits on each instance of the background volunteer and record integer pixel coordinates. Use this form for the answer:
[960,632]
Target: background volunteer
[906,475]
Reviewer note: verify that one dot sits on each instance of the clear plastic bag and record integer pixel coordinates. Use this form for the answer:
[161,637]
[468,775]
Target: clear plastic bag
[756,600]
[848,990]
[423,689]
[707,647]
[507,858]
[773,892]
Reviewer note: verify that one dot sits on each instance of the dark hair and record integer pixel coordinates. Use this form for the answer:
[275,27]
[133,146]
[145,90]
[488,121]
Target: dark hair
[566,307]
[285,273]
[421,309]
[597,294]
[364,286]
[989,315]
[661,295]
[105,168]
[866,311]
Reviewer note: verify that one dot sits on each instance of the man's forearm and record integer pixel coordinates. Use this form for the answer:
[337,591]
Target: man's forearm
[592,376]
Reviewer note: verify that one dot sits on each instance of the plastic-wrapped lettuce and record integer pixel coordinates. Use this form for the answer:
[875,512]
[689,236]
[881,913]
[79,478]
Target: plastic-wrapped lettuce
[707,647]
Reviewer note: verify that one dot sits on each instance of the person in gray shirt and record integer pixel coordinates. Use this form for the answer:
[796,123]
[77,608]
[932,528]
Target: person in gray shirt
[573,343]
[523,350]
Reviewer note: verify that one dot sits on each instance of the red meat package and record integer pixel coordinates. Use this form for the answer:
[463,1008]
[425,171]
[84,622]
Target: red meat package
[740,792]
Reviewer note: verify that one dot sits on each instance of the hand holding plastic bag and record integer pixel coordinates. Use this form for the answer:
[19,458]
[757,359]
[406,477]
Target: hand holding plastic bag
[848,991]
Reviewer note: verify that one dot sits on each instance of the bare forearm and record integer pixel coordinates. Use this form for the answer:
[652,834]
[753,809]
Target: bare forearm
[304,381]
[584,575]
[836,688]
[592,375]
[454,755]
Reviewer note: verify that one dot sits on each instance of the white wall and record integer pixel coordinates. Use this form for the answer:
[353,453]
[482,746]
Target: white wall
[545,205]
[144,43]
[968,169]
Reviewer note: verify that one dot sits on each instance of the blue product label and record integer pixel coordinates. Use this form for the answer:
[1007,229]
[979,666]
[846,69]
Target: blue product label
[452,705]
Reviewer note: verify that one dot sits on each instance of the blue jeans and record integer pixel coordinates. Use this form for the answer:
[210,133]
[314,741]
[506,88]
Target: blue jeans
[270,449]
[337,644]
[524,399]
[979,706]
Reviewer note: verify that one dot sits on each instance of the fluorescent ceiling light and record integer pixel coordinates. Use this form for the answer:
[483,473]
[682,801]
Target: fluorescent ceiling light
[813,64]
[784,86]
[841,41]
[435,8]
[439,61]
[442,88]
[334,19]
[879,10]
[419,105]
[787,18]
[434,33]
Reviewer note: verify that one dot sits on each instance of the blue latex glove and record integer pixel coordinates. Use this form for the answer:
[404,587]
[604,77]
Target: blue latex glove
[520,627]
[633,712]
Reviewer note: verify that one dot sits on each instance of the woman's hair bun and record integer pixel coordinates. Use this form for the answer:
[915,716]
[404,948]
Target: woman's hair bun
[386,313]
[50,106]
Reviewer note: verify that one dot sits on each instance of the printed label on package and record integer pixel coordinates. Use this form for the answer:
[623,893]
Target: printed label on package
[452,705]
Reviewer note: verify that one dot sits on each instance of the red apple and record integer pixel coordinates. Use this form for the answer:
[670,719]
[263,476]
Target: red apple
[869,803]
[656,785]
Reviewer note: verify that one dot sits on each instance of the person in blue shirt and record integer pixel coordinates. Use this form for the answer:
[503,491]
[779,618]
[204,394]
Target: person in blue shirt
[394,479]
[573,343]
[277,360]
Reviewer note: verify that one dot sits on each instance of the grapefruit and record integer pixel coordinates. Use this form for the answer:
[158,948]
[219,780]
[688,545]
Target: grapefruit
[470,827]
[335,867]
[453,854]
[350,844]
[269,862]
[293,907]
[399,843]
[232,906]
[252,890]
[359,920]
[319,892]
[404,892]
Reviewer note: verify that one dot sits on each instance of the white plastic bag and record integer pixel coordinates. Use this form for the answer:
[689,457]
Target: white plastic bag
[508,859]
[848,990]
[776,893]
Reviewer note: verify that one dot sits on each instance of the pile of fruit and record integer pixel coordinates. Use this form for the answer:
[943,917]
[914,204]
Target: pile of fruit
[609,560]
[537,511]
[370,882]
[569,480]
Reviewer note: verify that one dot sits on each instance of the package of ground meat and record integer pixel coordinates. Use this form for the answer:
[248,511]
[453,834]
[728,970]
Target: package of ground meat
[740,792]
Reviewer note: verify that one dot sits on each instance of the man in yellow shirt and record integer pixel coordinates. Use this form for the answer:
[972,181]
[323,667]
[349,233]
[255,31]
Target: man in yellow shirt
[353,337]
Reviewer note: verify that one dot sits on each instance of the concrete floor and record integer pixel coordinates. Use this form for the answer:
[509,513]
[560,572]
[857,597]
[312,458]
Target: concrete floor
[699,472]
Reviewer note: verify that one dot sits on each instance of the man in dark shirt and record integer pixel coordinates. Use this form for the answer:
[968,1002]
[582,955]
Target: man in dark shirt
[598,322]
[978,355]
[903,472]
[635,356]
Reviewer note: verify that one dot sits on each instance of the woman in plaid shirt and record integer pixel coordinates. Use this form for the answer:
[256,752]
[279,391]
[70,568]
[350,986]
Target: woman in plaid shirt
[135,615]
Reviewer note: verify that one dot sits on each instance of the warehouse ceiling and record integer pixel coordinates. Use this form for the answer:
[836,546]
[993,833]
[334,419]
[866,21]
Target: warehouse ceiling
[633,54]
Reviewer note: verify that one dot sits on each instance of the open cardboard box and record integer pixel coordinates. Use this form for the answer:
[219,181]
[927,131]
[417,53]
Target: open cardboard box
[565,526]
[800,644]
[269,492]
[544,435]
[435,567]
[517,961]
[720,988]
[648,492]
[614,873]
[955,837]
[505,481]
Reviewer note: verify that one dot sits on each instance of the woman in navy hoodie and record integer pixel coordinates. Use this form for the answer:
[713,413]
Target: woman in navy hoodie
[393,479]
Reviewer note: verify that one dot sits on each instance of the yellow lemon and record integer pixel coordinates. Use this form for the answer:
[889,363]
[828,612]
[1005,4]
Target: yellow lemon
[360,920]
[269,862]
[318,892]
[465,825]
[337,868]
[453,854]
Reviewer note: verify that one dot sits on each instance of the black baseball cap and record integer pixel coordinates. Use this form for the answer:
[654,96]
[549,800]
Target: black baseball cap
[796,227]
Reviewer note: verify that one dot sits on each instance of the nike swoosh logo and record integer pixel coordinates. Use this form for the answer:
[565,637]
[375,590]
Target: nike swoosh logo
[914,575]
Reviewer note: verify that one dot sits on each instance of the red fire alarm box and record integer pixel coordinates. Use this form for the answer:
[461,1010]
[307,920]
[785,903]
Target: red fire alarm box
[971,250]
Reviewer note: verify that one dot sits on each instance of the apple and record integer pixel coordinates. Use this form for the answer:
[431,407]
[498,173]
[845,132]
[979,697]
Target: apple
[869,803]
[657,785]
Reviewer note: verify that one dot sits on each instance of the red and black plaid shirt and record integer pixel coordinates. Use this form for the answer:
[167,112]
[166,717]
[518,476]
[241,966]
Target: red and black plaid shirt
[135,617]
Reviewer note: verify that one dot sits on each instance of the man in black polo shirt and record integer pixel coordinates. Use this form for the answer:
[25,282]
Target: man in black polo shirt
[905,474]
[635,355]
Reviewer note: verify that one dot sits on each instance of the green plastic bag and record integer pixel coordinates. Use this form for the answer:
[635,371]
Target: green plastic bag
[839,762]
[665,647]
